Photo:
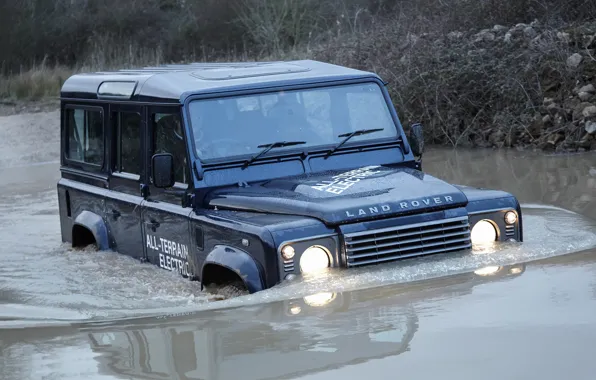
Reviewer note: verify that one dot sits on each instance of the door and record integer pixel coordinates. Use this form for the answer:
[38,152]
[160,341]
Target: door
[165,221]
[124,198]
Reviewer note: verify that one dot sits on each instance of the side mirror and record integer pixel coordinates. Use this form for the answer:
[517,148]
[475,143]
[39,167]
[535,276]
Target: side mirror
[417,139]
[162,170]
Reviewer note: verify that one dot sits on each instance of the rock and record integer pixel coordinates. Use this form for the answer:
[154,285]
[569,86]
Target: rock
[564,37]
[548,101]
[588,88]
[574,61]
[589,111]
[591,127]
[499,28]
[485,35]
[547,121]
[556,138]
[552,107]
[584,96]
[518,28]
[529,32]
[578,110]
[455,35]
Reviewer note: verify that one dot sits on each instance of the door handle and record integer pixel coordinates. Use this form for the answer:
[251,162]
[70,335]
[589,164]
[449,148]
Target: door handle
[152,224]
[115,214]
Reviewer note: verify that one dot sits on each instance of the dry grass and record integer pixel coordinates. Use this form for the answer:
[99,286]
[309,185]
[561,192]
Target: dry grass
[34,84]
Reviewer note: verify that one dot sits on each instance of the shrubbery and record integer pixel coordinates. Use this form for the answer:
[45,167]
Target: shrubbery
[467,88]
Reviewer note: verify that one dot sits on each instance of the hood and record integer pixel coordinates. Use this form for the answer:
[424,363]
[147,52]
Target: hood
[344,197]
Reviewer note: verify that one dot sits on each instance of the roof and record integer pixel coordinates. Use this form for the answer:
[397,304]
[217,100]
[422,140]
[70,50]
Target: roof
[173,83]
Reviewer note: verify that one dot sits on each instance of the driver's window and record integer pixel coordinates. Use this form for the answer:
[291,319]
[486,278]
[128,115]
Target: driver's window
[168,137]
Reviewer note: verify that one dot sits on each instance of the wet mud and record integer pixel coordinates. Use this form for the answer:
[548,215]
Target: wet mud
[67,314]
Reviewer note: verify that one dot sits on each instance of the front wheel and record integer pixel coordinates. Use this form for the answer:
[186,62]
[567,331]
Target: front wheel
[227,290]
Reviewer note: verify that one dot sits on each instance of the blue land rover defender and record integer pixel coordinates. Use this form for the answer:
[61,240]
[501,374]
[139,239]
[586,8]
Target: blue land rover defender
[245,175]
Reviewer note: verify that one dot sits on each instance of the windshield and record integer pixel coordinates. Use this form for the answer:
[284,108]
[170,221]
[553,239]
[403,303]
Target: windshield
[233,126]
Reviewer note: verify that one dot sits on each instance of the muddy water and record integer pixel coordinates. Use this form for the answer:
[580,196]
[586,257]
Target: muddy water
[530,311]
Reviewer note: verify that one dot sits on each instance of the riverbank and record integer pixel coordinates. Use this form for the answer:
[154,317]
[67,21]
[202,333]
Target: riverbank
[525,86]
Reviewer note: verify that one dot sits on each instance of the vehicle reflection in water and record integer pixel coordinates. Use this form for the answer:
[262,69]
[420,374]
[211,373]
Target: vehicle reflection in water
[281,339]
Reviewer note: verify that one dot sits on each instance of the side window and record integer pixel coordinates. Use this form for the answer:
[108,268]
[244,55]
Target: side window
[127,133]
[85,133]
[168,137]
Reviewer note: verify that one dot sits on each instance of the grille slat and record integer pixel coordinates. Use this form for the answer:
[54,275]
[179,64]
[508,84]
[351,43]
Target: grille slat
[509,231]
[289,266]
[409,241]
[392,258]
[392,236]
[388,244]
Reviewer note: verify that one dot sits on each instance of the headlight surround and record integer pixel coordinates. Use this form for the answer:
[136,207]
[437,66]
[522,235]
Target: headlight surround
[484,232]
[306,255]
[315,259]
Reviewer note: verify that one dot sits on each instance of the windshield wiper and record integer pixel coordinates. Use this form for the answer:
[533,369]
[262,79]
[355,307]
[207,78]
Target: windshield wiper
[270,146]
[348,136]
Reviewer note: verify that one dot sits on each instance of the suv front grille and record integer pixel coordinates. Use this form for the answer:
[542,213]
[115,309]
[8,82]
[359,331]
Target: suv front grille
[393,243]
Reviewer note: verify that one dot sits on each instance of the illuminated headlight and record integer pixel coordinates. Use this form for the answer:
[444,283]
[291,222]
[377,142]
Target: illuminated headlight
[288,252]
[314,259]
[510,217]
[484,232]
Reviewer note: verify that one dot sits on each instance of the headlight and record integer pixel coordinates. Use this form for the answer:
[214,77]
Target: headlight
[483,232]
[314,259]
[288,252]
[510,217]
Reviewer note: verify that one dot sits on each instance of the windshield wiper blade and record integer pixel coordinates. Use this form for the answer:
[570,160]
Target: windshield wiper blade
[348,136]
[270,146]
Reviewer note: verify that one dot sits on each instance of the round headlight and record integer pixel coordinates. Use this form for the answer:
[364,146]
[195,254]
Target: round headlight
[510,217]
[483,232]
[288,252]
[314,259]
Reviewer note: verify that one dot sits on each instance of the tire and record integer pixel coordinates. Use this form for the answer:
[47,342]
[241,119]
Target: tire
[228,290]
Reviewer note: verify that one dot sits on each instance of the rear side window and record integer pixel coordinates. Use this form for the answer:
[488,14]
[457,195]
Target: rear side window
[85,133]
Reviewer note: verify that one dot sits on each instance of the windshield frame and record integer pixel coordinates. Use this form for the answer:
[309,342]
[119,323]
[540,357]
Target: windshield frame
[231,92]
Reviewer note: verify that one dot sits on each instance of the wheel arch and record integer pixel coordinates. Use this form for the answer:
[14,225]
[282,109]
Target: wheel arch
[94,224]
[233,261]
